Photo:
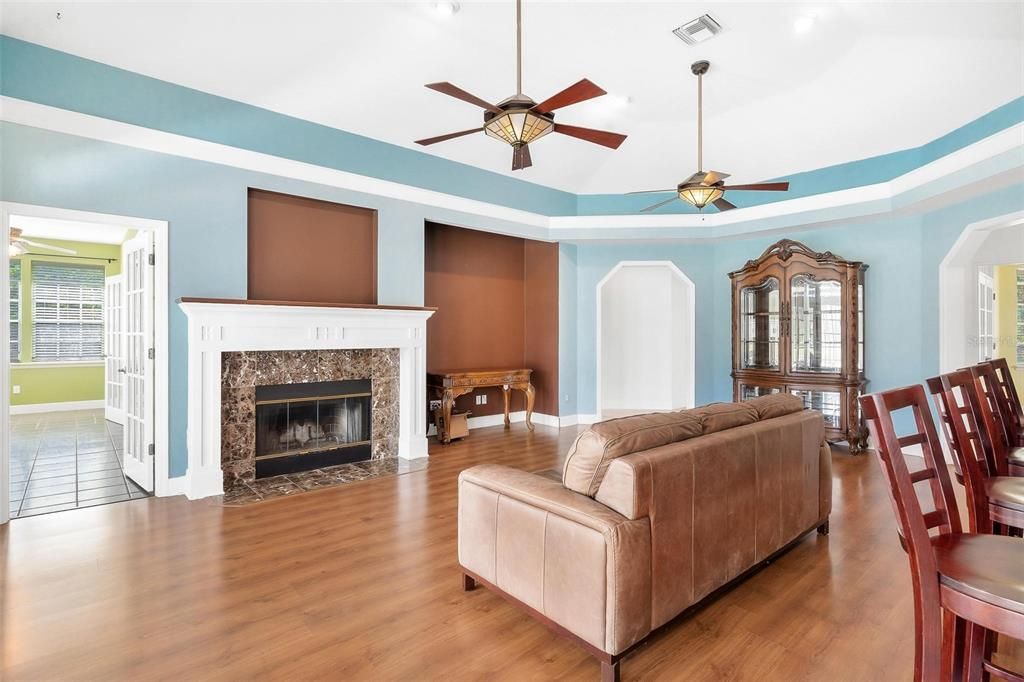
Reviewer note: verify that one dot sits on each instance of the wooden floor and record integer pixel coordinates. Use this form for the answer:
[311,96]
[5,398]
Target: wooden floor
[361,583]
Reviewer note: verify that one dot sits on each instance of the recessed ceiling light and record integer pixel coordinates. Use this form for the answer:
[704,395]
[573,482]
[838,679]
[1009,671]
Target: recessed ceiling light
[804,24]
[446,9]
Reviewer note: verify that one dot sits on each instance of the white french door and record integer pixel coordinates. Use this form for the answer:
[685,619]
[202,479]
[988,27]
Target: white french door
[113,348]
[138,356]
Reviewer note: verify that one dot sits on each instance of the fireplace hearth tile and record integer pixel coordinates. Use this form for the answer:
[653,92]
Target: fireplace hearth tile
[385,407]
[385,363]
[347,473]
[238,369]
[237,405]
[274,486]
[340,365]
[287,367]
[384,448]
[239,494]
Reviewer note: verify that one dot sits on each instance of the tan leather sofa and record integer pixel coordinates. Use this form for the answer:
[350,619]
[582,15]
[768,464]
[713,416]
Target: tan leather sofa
[653,513]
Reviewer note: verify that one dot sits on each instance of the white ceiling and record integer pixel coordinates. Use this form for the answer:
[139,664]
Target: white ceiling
[867,78]
[70,230]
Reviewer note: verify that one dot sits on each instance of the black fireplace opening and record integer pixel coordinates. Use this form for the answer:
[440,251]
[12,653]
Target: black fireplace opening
[300,427]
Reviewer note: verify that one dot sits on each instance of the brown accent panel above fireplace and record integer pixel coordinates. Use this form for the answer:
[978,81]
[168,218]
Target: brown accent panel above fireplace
[308,250]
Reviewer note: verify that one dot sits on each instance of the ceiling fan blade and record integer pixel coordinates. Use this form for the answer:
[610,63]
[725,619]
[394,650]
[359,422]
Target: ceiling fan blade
[577,92]
[658,205]
[601,137]
[763,187]
[652,191]
[723,205]
[458,93]
[521,157]
[449,136]
[48,247]
[711,177]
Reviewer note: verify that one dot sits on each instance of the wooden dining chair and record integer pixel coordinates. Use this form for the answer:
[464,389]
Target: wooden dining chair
[965,585]
[1002,414]
[1009,394]
[995,501]
[1011,411]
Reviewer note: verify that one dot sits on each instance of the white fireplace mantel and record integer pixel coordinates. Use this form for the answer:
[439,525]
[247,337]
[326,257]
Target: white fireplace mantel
[217,326]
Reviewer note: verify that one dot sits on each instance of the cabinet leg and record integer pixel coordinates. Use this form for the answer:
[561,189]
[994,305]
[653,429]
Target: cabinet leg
[468,583]
[823,528]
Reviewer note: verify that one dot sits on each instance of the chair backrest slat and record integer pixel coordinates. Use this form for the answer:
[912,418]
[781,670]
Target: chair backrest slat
[959,393]
[1004,434]
[1009,393]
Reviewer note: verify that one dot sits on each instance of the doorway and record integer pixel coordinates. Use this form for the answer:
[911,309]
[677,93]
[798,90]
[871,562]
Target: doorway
[80,344]
[645,339]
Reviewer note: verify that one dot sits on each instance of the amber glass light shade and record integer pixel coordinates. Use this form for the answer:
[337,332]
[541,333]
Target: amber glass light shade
[518,126]
[700,195]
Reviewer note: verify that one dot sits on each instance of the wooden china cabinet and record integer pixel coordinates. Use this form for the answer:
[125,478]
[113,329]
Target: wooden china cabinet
[798,326]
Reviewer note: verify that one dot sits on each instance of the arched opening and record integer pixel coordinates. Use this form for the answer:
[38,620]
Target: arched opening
[969,329]
[645,339]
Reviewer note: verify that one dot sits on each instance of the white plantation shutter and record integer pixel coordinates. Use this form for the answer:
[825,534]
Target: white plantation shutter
[1020,317]
[67,312]
[15,318]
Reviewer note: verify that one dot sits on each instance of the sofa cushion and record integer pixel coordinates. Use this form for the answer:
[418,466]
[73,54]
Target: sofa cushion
[596,447]
[723,416]
[775,405]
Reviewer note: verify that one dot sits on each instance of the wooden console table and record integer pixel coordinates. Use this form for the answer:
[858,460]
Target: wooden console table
[450,385]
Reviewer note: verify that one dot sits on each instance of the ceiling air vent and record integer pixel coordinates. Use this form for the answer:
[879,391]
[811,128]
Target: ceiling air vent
[699,30]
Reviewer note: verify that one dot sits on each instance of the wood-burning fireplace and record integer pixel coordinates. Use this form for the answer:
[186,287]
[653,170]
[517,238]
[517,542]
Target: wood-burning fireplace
[307,426]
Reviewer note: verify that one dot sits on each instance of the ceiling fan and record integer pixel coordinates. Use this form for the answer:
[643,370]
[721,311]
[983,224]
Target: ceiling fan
[518,120]
[18,245]
[703,188]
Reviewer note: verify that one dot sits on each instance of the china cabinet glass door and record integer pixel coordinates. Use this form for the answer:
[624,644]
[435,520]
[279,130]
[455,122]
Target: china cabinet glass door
[826,401]
[760,325]
[748,391]
[816,325]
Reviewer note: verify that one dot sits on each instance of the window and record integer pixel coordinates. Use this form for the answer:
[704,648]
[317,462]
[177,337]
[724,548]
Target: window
[67,312]
[986,317]
[15,316]
[1020,317]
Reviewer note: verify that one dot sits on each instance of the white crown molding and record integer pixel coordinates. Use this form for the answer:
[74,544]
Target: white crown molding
[849,204]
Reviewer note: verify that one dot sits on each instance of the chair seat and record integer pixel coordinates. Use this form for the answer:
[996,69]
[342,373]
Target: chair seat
[1006,491]
[989,568]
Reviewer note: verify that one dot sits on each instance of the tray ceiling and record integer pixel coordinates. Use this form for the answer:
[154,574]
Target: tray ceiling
[793,86]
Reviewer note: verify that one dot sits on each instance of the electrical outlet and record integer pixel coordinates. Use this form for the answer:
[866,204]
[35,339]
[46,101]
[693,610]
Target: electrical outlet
[16,390]
[484,399]
[477,399]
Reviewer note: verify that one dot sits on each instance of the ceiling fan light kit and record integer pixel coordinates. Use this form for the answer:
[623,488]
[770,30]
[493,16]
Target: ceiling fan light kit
[518,120]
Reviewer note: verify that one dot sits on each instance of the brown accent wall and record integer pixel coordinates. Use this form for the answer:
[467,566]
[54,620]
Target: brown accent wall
[497,307]
[308,250]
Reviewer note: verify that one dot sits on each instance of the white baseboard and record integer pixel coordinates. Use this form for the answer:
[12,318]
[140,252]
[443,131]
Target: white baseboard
[58,407]
[485,421]
[172,486]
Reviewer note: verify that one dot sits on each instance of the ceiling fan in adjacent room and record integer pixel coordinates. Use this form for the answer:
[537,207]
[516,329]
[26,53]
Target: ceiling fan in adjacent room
[518,120]
[18,245]
[703,188]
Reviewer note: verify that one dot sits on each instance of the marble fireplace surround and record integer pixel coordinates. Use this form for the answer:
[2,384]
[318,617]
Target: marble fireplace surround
[243,371]
[291,342]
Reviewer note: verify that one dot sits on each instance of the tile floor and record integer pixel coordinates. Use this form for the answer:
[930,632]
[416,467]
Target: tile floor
[66,460]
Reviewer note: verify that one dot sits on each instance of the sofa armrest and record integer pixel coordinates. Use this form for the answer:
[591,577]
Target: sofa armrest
[564,555]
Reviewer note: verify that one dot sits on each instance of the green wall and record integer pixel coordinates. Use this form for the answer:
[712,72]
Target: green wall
[1006,321]
[53,383]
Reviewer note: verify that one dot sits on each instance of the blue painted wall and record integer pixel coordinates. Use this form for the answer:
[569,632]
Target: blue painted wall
[205,205]
[902,324]
[39,74]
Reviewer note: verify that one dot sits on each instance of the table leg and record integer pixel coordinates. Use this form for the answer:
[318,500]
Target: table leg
[506,392]
[447,401]
[529,406]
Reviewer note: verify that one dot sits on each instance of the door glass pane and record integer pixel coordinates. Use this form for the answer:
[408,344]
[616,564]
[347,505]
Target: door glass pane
[860,328]
[816,325]
[826,402]
[759,325]
[748,392]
